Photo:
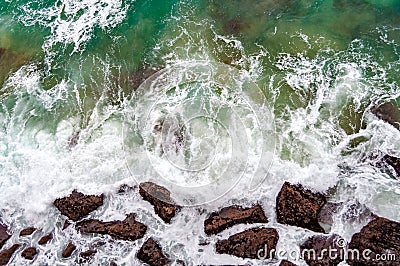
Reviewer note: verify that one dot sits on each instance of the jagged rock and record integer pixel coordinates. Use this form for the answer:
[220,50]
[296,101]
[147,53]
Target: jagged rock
[393,162]
[45,239]
[255,243]
[73,139]
[286,263]
[66,224]
[160,198]
[316,250]
[67,252]
[229,216]
[77,205]
[7,254]
[27,231]
[29,253]
[128,229]
[4,235]
[388,112]
[151,253]
[88,253]
[380,237]
[299,207]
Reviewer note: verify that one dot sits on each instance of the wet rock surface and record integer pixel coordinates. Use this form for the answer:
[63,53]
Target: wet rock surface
[255,243]
[67,252]
[230,216]
[29,253]
[88,253]
[27,231]
[4,235]
[316,250]
[388,112]
[77,205]
[151,253]
[45,239]
[300,207]
[160,198]
[379,237]
[128,229]
[393,162]
[7,254]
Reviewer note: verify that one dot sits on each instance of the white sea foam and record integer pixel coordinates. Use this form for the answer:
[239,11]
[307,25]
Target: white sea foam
[73,21]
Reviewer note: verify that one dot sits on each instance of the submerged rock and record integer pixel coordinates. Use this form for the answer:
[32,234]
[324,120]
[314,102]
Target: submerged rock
[160,198]
[299,207]
[325,216]
[139,76]
[323,250]
[151,253]
[27,231]
[389,113]
[67,252]
[4,235]
[255,243]
[230,216]
[29,253]
[379,237]
[128,229]
[45,239]
[234,26]
[77,205]
[6,255]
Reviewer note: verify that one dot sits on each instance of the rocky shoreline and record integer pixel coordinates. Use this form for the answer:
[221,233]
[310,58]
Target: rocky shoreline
[296,206]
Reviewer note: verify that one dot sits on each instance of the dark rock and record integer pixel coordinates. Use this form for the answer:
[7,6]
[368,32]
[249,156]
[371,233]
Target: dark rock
[299,207]
[388,112]
[88,253]
[29,253]
[229,216]
[234,26]
[328,211]
[286,263]
[255,243]
[124,189]
[77,205]
[4,235]
[67,252]
[113,264]
[393,162]
[323,250]
[45,239]
[151,253]
[27,231]
[380,237]
[128,229]
[7,254]
[160,198]
[2,51]
[66,224]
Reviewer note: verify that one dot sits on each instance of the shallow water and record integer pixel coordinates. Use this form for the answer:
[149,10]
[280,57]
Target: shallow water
[274,89]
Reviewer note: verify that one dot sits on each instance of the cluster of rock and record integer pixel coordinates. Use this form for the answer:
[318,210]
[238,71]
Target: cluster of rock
[295,206]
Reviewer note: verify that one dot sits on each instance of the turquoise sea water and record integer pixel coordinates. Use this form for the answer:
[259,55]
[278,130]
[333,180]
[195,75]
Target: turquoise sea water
[72,67]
